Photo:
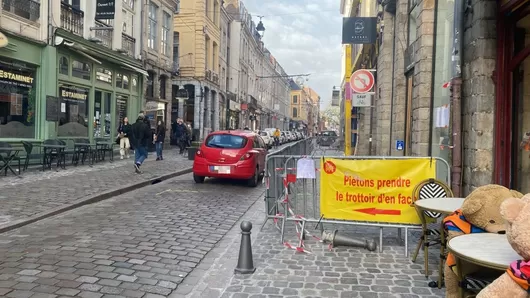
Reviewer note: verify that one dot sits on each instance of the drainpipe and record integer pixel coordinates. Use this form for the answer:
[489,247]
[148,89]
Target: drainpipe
[456,96]
[393,88]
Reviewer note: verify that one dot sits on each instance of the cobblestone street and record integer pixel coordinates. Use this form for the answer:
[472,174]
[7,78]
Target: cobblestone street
[136,245]
[38,191]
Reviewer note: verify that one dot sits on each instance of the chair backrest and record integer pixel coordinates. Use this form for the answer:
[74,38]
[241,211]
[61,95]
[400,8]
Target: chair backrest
[52,142]
[82,141]
[28,147]
[431,189]
[5,145]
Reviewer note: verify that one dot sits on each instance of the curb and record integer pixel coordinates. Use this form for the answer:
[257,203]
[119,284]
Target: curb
[90,200]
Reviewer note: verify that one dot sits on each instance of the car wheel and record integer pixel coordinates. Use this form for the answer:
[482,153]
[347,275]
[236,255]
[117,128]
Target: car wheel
[198,179]
[254,181]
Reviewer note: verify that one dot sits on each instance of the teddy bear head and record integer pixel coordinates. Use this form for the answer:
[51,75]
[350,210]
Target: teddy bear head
[516,212]
[482,207]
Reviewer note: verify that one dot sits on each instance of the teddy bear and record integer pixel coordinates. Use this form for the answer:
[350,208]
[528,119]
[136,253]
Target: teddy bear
[515,282]
[480,213]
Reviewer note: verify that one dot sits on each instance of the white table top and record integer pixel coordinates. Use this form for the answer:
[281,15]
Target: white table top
[440,205]
[484,249]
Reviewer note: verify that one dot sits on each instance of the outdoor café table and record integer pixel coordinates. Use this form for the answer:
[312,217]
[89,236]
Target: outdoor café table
[7,155]
[444,206]
[91,152]
[47,149]
[105,146]
[486,250]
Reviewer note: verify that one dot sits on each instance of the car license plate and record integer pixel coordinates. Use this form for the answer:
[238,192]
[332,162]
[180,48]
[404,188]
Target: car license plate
[220,169]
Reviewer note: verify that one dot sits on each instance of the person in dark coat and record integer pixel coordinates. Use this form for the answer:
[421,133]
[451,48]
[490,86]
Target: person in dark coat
[181,134]
[140,136]
[160,136]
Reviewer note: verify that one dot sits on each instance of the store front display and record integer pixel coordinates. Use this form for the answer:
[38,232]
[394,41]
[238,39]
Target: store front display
[17,99]
[73,112]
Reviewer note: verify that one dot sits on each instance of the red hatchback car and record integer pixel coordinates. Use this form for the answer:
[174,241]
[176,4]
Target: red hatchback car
[232,154]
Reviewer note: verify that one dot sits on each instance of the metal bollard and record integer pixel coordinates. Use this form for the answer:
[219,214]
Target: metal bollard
[245,263]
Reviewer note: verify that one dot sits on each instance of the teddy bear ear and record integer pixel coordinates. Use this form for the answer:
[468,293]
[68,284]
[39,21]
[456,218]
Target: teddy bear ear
[511,208]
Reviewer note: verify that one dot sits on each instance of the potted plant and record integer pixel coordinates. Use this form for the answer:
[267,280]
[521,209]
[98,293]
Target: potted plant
[192,150]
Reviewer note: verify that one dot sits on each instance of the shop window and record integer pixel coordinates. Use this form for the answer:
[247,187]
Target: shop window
[150,92]
[17,101]
[134,82]
[295,113]
[73,116]
[81,70]
[104,75]
[414,11]
[119,80]
[121,109]
[125,82]
[63,65]
[163,82]
[295,99]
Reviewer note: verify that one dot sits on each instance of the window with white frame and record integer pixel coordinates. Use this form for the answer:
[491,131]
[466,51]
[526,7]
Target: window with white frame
[152,30]
[129,4]
[164,41]
[128,22]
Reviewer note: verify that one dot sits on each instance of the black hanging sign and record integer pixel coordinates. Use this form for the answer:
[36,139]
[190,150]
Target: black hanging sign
[105,9]
[359,30]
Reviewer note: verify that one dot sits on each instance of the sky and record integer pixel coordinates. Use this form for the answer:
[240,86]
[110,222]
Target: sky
[305,37]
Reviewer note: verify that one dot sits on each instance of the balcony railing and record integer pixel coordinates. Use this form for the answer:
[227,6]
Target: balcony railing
[104,35]
[27,9]
[128,44]
[72,19]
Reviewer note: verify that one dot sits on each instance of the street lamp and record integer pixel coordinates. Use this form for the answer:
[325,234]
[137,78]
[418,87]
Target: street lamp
[260,28]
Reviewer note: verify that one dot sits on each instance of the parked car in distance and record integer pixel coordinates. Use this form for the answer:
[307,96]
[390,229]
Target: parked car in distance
[267,138]
[234,154]
[327,137]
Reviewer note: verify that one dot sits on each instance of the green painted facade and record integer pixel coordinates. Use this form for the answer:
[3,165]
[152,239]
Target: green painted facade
[57,70]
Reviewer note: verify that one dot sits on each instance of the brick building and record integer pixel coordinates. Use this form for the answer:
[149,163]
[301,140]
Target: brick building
[473,114]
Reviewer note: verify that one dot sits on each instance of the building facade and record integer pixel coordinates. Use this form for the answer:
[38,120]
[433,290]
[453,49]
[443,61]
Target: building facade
[224,65]
[156,52]
[78,80]
[198,26]
[451,84]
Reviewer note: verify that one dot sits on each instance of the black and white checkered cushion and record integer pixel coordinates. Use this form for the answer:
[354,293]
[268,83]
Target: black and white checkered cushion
[477,283]
[432,190]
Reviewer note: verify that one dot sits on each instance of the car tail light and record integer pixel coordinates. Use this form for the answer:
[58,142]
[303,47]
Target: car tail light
[199,153]
[247,156]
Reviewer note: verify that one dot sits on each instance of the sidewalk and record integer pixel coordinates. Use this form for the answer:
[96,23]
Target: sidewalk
[37,194]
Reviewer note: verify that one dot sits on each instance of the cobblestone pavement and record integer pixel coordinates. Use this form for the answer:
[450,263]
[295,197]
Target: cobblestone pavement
[135,245]
[39,191]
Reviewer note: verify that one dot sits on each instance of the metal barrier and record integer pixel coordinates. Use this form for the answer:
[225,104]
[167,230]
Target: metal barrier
[289,199]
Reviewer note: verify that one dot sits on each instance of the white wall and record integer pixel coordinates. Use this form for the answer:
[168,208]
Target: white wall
[235,48]
[33,29]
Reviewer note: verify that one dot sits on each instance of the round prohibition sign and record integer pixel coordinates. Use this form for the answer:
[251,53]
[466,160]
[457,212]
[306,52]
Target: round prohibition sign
[362,81]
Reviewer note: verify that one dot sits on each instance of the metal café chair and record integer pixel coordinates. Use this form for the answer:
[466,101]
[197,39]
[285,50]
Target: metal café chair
[5,161]
[432,232]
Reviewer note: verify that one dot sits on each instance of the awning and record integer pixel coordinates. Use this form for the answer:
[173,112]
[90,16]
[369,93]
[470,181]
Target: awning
[139,70]
[80,50]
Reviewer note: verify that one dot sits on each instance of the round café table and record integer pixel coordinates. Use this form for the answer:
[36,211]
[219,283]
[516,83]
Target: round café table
[484,249]
[440,205]
[444,206]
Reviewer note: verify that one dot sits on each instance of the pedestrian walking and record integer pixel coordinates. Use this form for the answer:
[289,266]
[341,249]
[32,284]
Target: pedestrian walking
[160,136]
[123,134]
[141,135]
[181,134]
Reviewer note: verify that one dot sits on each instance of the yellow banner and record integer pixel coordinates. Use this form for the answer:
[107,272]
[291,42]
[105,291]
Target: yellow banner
[372,190]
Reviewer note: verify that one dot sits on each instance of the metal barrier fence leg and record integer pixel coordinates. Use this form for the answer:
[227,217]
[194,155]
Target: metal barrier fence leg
[399,235]
[406,242]
[380,239]
[314,200]
[302,234]
[282,230]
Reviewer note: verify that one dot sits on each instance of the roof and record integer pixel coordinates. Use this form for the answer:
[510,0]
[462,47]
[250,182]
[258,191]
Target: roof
[294,86]
[236,132]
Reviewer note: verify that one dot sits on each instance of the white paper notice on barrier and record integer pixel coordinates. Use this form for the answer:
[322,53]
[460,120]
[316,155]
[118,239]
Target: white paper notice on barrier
[305,169]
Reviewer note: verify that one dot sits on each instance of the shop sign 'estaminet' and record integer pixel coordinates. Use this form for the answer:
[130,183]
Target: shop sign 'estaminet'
[372,190]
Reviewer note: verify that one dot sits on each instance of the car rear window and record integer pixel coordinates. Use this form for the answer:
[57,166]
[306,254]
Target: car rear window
[264,134]
[329,133]
[226,141]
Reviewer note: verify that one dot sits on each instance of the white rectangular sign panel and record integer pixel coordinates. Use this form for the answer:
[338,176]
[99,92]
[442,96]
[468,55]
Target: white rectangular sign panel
[361,100]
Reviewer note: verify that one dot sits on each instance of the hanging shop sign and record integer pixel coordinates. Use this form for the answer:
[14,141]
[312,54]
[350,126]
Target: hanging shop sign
[3,40]
[359,30]
[105,9]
